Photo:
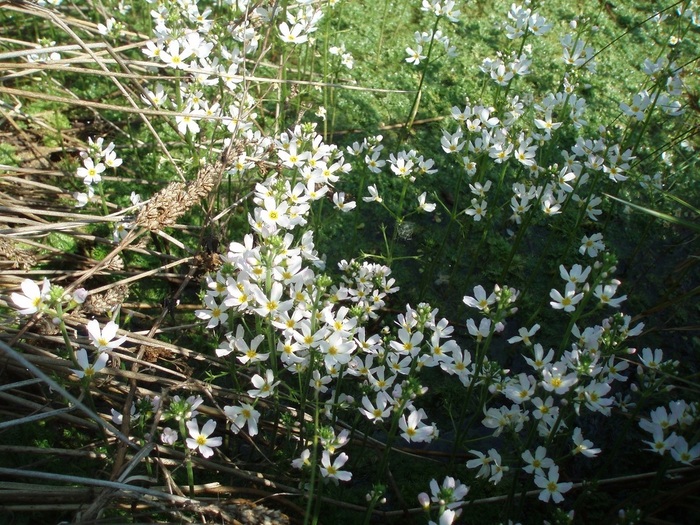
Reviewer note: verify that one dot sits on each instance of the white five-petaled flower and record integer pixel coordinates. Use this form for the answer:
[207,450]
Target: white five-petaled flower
[682,453]
[414,430]
[551,487]
[103,339]
[292,35]
[427,207]
[477,209]
[482,462]
[451,493]
[88,370]
[606,292]
[652,359]
[592,245]
[214,313]
[583,446]
[480,300]
[660,443]
[264,386]
[414,56]
[332,470]
[200,439]
[174,57]
[576,275]
[240,415]
[275,214]
[538,462]
[33,299]
[378,413]
[90,172]
[568,301]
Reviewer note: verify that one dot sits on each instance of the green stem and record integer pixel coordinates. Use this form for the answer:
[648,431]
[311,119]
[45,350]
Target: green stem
[314,463]
[424,72]
[381,30]
[188,458]
[101,192]
[390,438]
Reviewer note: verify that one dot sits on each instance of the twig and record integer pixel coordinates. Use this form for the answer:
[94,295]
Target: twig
[67,395]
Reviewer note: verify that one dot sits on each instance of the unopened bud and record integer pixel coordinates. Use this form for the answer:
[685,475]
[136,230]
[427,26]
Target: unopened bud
[80,295]
[424,500]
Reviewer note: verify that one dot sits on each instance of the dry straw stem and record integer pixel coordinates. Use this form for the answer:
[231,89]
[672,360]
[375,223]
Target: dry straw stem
[64,23]
[11,354]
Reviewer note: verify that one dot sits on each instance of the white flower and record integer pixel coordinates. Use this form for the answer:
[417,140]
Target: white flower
[106,29]
[427,207]
[201,440]
[240,415]
[661,444]
[118,417]
[373,194]
[477,210]
[264,387]
[91,171]
[414,56]
[174,57]
[83,198]
[293,35]
[214,313]
[480,301]
[682,454]
[583,446]
[33,299]
[592,245]
[102,339]
[169,436]
[537,463]
[568,301]
[88,370]
[551,486]
[333,471]
[188,121]
[451,493]
[303,460]
[414,430]
[605,294]
[339,201]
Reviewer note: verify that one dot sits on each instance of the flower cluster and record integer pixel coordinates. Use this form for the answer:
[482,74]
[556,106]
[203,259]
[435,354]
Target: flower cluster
[669,428]
[291,331]
[448,497]
[578,382]
[96,160]
[53,301]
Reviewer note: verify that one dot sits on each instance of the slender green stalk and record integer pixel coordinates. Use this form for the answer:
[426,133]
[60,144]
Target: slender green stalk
[380,44]
[424,72]
[314,464]
[188,458]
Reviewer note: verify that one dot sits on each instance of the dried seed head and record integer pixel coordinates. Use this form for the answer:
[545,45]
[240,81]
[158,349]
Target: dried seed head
[173,201]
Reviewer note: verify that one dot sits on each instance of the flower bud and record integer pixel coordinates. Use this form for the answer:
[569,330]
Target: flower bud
[80,295]
[424,500]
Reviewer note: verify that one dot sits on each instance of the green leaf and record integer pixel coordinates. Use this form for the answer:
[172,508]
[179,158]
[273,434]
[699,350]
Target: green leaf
[659,215]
